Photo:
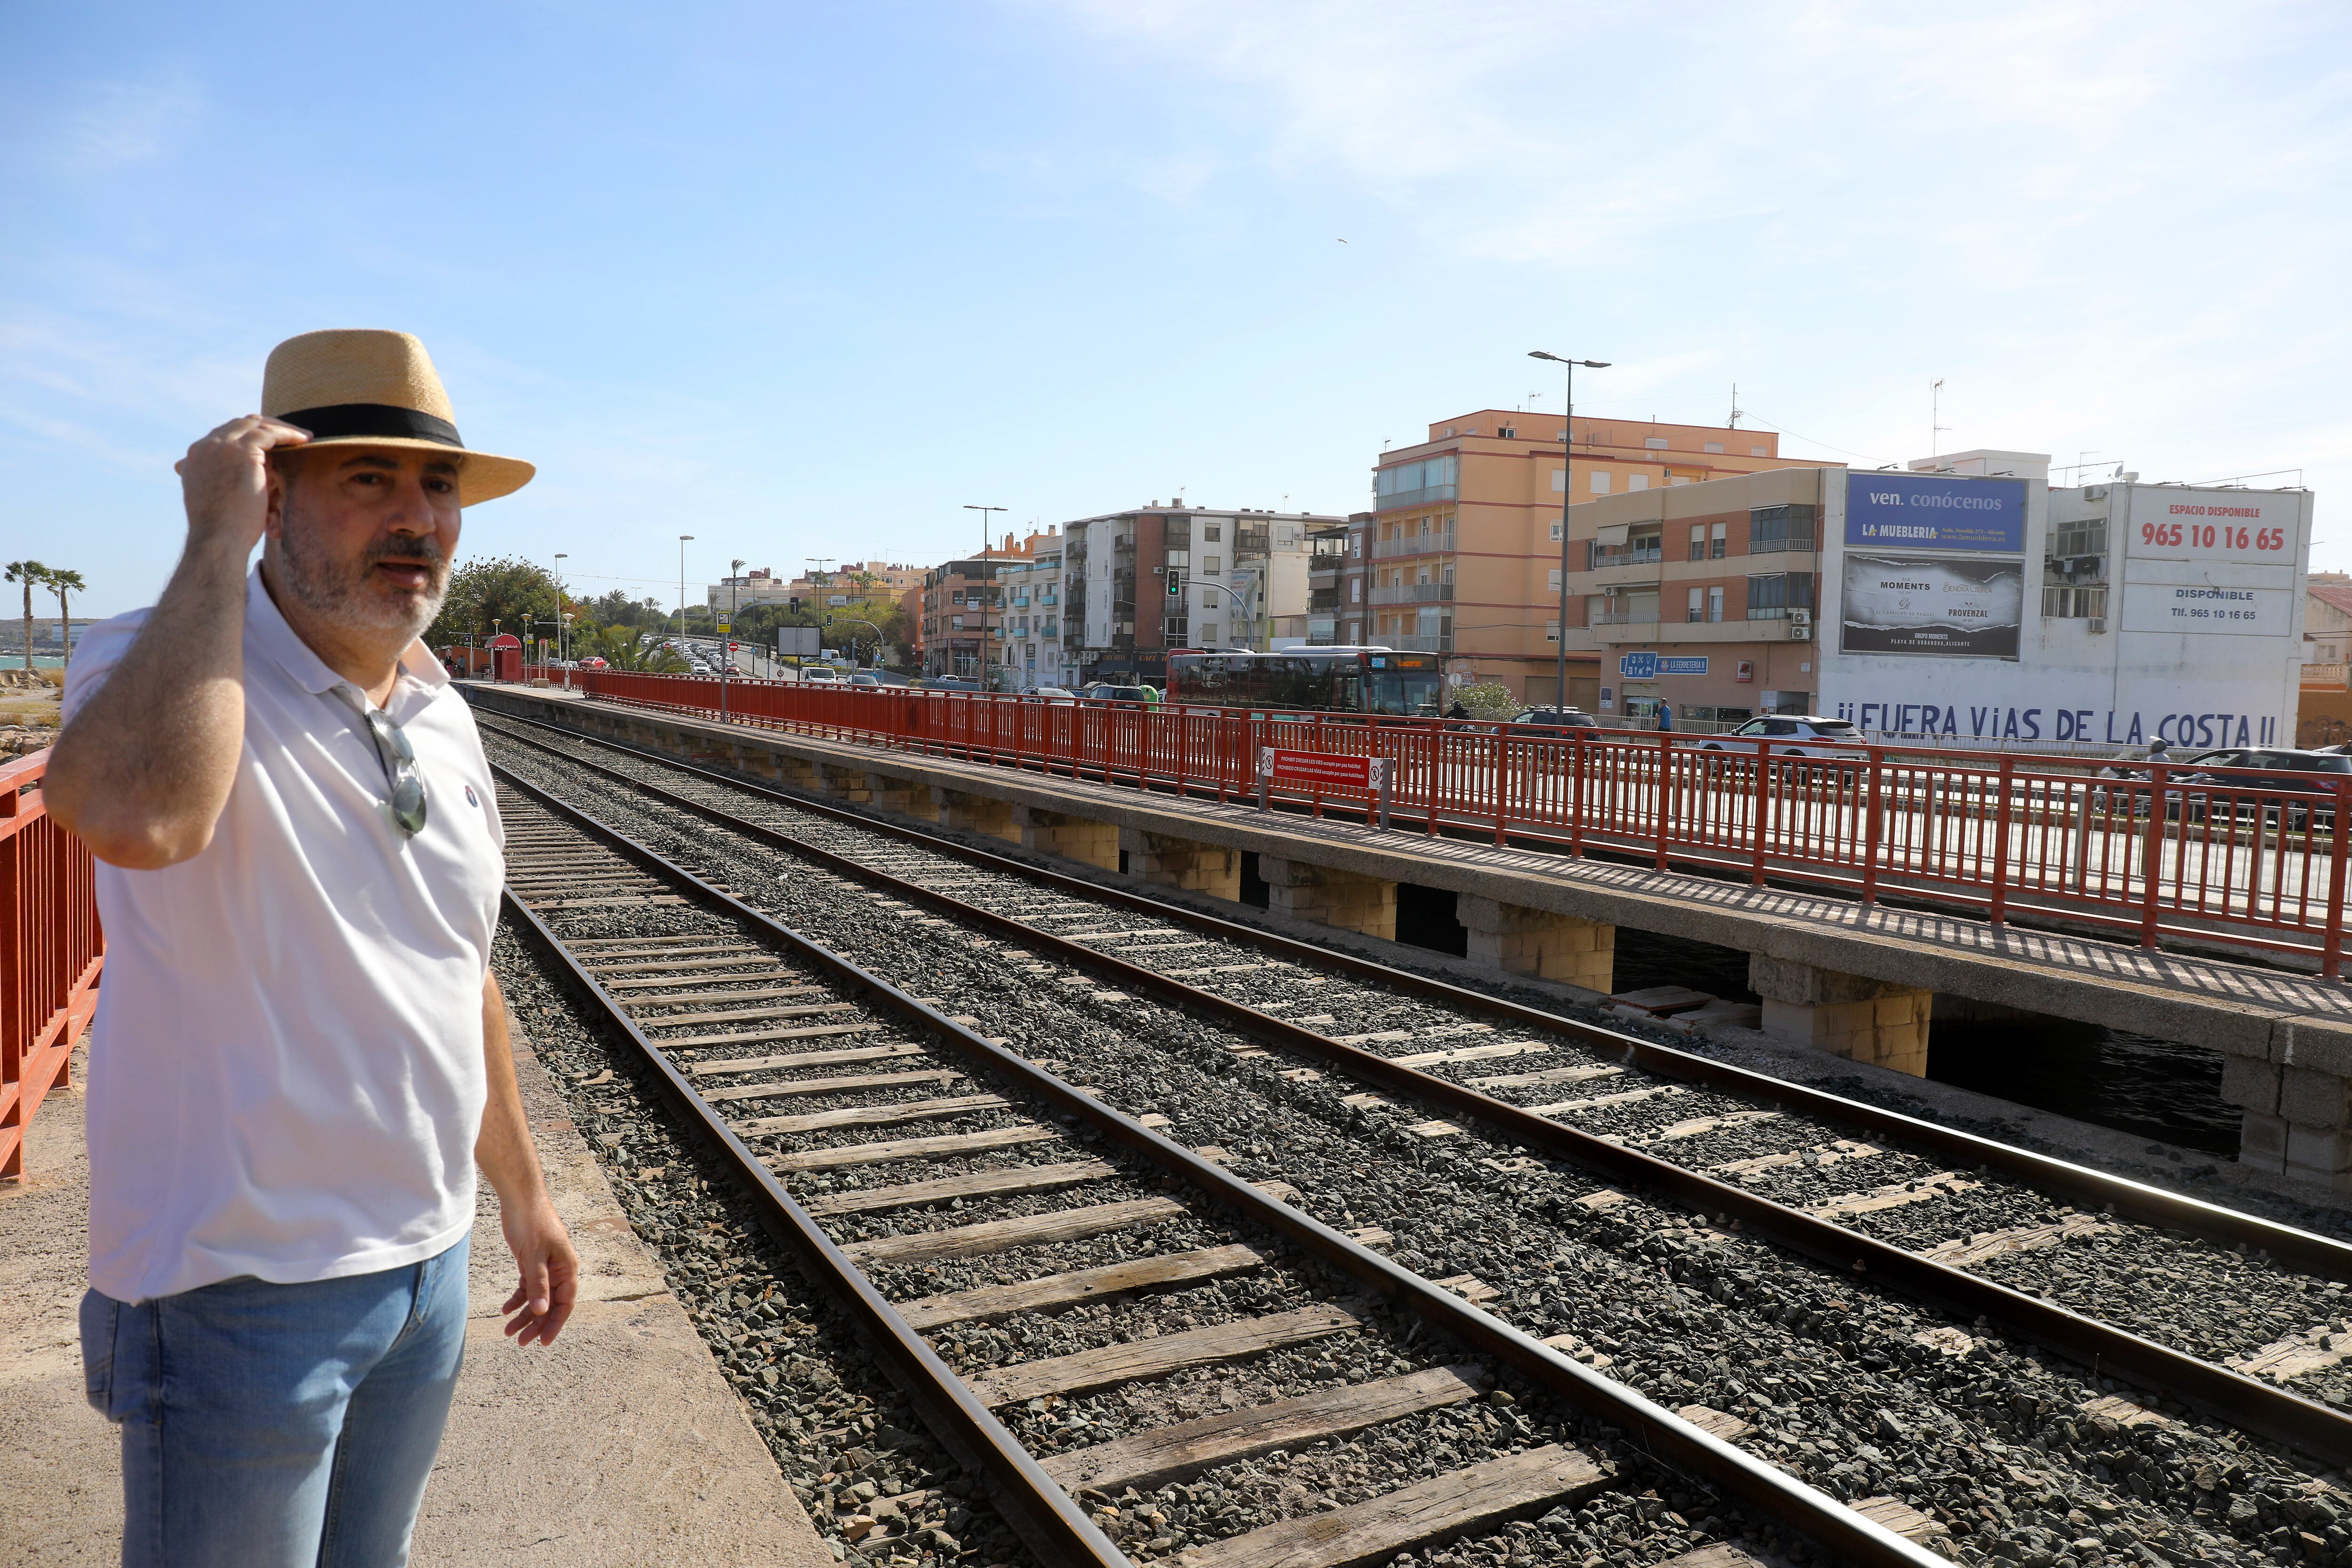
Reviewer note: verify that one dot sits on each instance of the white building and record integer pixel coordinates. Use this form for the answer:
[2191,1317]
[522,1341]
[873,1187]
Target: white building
[1966,599]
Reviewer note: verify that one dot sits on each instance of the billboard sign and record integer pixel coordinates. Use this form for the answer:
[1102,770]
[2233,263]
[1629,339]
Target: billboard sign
[1935,512]
[2247,527]
[1931,604]
[2206,607]
[796,642]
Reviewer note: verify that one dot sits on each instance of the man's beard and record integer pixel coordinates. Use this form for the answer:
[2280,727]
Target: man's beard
[350,594]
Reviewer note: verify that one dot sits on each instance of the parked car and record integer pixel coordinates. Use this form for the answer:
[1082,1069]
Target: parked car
[864,681]
[2238,773]
[1060,691]
[819,672]
[1790,736]
[593,662]
[952,683]
[1539,723]
[1103,693]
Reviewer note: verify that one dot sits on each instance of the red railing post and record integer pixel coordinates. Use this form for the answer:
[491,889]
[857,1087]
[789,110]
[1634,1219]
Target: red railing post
[1665,789]
[1874,825]
[1580,783]
[2152,854]
[1759,813]
[2331,953]
[2000,843]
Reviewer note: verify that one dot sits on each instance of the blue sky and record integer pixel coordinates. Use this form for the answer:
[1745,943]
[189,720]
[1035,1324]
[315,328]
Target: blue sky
[804,281]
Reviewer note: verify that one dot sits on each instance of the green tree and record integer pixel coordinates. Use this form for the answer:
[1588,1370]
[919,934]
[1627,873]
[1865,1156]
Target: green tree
[1487,699]
[512,593]
[62,583]
[32,574]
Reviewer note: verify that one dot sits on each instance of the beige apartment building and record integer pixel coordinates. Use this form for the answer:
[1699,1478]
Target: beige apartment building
[1460,554]
[1701,596]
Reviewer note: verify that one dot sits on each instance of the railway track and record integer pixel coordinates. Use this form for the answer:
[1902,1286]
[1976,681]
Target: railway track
[1641,1113]
[760,1035]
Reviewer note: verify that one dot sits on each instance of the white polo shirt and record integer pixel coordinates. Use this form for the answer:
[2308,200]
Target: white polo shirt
[286,1074]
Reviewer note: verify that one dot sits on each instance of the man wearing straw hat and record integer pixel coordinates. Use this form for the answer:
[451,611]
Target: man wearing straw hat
[300,1056]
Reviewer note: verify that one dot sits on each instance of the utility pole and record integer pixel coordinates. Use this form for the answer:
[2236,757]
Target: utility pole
[1936,429]
[561,556]
[1567,496]
[1737,412]
[986,581]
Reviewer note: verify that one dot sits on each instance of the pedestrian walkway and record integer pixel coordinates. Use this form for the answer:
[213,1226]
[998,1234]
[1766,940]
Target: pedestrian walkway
[620,1445]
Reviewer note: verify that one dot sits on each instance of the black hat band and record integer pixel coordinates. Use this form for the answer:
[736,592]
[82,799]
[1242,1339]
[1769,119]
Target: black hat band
[340,421]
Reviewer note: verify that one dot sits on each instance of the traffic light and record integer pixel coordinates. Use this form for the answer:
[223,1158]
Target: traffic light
[1175,584]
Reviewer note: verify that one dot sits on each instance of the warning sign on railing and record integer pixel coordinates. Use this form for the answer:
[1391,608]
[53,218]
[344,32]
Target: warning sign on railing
[1325,770]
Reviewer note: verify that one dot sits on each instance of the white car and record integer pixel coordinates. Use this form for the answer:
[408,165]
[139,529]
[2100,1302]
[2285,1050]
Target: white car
[819,672]
[1788,735]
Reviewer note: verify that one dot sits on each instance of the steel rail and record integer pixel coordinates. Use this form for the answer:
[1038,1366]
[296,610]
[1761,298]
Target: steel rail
[1036,1509]
[2136,1200]
[1664,1436]
[2306,1426]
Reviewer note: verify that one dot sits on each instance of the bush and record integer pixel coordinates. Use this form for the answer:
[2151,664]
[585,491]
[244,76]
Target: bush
[1487,700]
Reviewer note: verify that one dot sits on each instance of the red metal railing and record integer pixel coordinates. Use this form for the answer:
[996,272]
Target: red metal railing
[2158,852]
[51,951]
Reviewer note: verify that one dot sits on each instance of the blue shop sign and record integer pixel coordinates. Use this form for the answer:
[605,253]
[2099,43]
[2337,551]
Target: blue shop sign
[1638,665]
[1935,512]
[1683,666]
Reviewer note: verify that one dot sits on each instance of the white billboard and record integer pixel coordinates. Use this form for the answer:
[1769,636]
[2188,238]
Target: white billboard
[2246,527]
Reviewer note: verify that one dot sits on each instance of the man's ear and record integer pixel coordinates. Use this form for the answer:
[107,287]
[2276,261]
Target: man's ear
[274,519]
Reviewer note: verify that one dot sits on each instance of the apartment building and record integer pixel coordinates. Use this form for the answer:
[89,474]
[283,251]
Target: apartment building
[1000,611]
[1903,600]
[1460,553]
[846,584]
[1152,578]
[1702,597]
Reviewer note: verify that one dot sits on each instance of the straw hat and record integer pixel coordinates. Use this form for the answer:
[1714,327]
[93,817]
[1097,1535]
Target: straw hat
[368,388]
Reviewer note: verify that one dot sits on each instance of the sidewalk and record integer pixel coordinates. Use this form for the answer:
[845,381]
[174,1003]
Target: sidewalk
[622,1445]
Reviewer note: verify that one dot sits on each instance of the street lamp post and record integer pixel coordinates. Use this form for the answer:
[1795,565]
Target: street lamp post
[727,634]
[681,585]
[820,579]
[1567,497]
[561,618]
[983,511]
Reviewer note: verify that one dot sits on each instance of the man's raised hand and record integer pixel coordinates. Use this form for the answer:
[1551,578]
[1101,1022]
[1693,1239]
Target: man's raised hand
[225,479]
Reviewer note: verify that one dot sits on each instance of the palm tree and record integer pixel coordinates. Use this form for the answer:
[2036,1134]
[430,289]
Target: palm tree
[32,574]
[62,583]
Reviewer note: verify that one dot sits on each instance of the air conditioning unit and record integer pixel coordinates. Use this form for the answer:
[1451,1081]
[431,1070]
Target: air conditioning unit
[1800,631]
[2098,622]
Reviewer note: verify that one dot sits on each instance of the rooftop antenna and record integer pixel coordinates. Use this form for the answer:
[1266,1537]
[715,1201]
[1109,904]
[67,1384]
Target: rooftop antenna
[1737,412]
[1935,432]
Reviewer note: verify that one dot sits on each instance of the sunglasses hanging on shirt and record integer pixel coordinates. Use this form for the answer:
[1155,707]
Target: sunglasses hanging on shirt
[399,760]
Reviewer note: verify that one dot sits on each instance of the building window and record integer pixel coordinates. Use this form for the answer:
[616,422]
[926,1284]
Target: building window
[1771,598]
[1553,584]
[2075,604]
[1559,481]
[1715,604]
[1698,541]
[1214,565]
[1637,481]
[1719,542]
[1696,610]
[1656,443]
[1756,451]
[1773,529]
[1598,482]
[1554,533]
[1551,629]
[1714,446]
[1212,532]
[1355,590]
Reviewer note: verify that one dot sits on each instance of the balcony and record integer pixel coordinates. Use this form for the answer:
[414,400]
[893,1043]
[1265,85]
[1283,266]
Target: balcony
[1400,499]
[1644,616]
[1418,545]
[1413,594]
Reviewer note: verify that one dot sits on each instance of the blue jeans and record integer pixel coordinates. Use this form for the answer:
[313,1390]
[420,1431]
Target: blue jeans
[278,1426]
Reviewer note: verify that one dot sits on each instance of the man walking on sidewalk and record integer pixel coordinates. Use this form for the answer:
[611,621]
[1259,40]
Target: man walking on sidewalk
[299,1055]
